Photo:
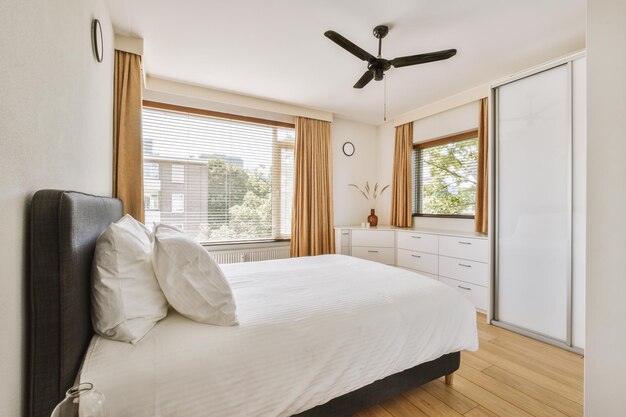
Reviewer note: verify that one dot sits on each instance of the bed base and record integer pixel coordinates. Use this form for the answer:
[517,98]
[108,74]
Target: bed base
[384,389]
[64,228]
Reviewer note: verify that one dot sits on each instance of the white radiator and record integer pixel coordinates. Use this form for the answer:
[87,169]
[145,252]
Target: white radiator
[250,255]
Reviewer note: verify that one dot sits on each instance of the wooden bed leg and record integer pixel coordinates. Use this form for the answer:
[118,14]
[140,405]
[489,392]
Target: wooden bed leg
[449,379]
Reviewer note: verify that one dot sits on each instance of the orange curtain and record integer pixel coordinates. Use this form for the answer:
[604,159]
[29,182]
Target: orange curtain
[127,146]
[482,186]
[312,230]
[401,211]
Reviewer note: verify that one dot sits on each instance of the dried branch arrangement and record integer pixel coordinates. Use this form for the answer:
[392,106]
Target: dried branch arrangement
[370,193]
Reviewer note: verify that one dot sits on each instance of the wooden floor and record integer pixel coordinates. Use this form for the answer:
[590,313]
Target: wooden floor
[509,376]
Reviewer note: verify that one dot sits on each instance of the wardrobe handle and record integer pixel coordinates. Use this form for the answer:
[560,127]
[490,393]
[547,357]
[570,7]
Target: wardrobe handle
[372,251]
[416,256]
[465,243]
[464,288]
[416,237]
[465,265]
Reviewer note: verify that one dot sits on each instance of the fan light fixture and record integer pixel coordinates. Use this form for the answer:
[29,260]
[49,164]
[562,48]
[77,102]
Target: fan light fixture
[376,65]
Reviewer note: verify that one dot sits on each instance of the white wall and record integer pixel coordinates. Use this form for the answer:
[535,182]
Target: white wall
[199,103]
[464,97]
[204,94]
[55,132]
[605,359]
[350,206]
[455,120]
[458,119]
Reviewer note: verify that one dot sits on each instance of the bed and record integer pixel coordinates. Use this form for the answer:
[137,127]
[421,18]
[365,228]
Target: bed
[362,334]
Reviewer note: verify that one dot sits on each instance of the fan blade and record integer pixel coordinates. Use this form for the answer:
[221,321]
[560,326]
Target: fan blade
[366,78]
[348,46]
[422,58]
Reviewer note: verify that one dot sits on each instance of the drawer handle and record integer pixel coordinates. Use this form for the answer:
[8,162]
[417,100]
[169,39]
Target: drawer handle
[416,256]
[465,265]
[465,243]
[372,251]
[346,233]
[416,237]
[464,288]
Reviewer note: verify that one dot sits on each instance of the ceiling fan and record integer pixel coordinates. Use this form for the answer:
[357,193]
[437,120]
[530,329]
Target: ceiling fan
[376,66]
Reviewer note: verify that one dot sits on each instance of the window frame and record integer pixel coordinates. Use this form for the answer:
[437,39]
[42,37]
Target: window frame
[157,206]
[179,196]
[456,137]
[278,146]
[152,165]
[179,176]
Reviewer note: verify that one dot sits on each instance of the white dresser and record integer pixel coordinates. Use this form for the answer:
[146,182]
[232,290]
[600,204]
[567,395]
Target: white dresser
[459,259]
[375,245]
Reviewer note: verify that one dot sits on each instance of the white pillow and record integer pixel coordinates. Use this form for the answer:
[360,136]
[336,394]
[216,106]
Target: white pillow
[192,281]
[126,298]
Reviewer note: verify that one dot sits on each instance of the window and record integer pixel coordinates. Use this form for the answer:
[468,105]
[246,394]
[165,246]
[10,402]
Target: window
[232,176]
[151,201]
[178,203]
[445,174]
[151,170]
[178,174]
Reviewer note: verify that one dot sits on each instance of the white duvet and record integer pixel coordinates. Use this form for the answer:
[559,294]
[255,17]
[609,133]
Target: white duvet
[311,329]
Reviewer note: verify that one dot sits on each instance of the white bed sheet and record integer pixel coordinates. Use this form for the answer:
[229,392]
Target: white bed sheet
[311,329]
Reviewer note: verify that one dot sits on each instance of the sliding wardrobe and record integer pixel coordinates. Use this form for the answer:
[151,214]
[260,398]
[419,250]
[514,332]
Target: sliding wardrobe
[539,170]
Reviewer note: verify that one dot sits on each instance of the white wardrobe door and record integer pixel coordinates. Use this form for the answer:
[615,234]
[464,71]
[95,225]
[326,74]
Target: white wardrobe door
[534,157]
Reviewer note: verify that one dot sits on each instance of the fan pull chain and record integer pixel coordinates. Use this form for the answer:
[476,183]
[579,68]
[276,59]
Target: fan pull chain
[385,100]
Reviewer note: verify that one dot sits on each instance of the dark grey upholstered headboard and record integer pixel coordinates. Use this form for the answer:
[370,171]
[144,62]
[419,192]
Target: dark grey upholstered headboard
[64,228]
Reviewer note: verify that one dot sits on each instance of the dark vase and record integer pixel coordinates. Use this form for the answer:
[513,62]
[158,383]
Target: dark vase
[372,219]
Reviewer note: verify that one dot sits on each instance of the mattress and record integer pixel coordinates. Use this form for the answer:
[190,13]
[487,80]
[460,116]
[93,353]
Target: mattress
[311,329]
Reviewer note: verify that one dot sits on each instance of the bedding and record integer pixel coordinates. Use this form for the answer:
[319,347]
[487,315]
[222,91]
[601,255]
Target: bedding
[192,281]
[310,329]
[126,298]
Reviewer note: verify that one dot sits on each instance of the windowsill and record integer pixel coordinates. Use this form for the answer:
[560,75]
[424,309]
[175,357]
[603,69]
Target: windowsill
[246,245]
[444,216]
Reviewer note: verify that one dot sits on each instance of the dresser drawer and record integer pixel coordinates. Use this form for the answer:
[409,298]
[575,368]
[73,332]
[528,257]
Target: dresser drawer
[375,238]
[419,242]
[464,248]
[477,295]
[418,261]
[382,255]
[468,271]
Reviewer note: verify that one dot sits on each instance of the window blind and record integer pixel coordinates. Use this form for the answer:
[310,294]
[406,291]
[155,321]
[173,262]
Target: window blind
[445,175]
[218,179]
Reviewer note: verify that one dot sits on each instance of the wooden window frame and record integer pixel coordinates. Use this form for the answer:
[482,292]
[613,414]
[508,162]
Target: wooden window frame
[277,147]
[457,137]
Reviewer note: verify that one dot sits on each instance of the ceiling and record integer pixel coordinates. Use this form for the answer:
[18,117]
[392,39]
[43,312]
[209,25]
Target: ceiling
[275,49]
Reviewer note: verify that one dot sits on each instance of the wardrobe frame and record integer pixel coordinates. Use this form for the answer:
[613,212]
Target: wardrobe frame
[494,206]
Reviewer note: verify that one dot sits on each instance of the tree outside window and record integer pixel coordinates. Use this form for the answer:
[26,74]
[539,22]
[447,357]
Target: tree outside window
[445,172]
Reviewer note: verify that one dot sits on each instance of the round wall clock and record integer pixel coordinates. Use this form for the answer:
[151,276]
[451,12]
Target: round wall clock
[97,40]
[348,149]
